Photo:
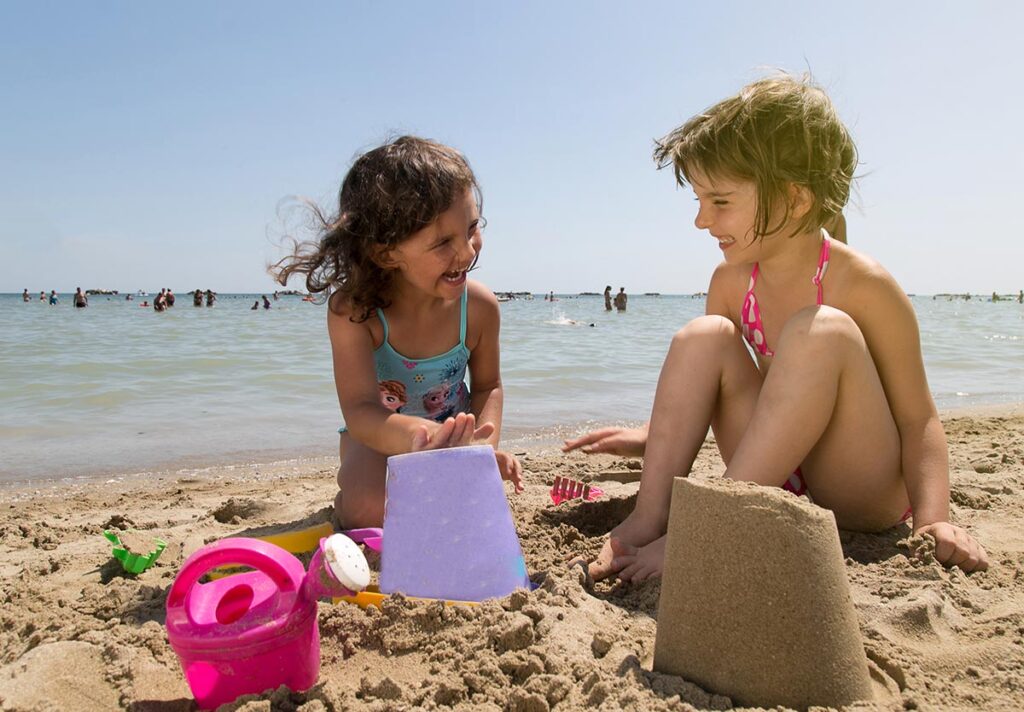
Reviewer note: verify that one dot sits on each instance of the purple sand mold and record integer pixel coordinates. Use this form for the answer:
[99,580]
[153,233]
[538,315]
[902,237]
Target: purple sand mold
[448,531]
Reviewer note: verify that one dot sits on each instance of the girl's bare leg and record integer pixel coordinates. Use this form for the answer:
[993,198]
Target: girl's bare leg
[823,408]
[361,477]
[708,377]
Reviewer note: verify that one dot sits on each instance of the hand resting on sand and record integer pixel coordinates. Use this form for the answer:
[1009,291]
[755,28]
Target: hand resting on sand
[954,546]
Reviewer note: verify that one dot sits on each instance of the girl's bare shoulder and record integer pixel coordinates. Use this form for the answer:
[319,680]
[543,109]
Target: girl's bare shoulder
[481,298]
[727,288]
[861,282]
[343,317]
[858,270]
[483,315]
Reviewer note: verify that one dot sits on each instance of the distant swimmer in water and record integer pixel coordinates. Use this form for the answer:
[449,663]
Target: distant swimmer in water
[24,296]
[197,298]
[608,298]
[81,301]
[255,306]
[266,302]
[620,299]
[53,297]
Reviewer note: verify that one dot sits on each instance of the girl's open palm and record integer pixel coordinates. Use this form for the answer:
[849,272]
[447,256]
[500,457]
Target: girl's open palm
[453,432]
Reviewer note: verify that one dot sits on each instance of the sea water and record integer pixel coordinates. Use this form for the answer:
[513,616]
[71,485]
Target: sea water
[119,388]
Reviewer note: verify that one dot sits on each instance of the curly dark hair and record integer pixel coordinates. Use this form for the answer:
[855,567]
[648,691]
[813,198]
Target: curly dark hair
[389,193]
[778,130]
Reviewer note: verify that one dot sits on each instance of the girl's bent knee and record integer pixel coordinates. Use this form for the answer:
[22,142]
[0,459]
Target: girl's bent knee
[709,326]
[821,323]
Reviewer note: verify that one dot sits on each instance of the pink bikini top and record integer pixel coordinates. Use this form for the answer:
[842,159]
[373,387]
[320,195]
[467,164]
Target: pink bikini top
[750,317]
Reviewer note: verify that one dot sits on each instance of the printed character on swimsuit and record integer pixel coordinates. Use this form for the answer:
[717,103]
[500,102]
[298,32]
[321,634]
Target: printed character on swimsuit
[392,395]
[436,402]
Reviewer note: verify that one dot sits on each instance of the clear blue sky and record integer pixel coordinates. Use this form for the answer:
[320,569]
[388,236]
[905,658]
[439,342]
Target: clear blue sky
[145,145]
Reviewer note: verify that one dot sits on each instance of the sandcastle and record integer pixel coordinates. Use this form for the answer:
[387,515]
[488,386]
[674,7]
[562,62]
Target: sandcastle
[755,603]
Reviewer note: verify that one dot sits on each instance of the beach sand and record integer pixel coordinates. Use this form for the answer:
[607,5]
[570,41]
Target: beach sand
[77,632]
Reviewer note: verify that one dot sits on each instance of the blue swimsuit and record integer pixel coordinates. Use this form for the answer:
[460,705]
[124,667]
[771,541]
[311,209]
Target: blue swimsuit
[433,388]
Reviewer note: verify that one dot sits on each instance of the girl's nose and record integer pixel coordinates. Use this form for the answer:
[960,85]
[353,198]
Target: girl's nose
[467,253]
[702,221]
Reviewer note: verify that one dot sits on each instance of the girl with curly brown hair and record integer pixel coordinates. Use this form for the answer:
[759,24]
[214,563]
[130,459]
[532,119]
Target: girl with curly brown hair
[393,264]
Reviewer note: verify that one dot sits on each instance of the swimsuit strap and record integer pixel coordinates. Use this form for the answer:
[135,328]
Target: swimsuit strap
[463,317]
[819,275]
[383,322]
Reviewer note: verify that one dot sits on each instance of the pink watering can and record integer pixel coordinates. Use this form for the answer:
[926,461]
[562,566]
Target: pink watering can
[254,631]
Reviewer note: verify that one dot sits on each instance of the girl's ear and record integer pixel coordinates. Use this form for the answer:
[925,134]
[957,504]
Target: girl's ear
[801,200]
[383,257]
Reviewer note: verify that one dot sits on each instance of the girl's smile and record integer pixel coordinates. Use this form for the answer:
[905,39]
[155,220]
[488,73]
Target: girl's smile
[437,258]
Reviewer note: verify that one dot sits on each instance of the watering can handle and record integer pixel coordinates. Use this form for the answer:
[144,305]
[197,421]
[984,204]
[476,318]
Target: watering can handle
[260,555]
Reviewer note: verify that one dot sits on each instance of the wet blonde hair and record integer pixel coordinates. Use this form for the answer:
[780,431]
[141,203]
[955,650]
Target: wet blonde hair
[777,131]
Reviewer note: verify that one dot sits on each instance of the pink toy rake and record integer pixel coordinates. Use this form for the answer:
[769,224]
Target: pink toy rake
[566,488]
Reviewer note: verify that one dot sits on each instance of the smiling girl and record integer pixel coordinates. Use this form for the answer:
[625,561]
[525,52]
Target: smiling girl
[404,317]
[834,402]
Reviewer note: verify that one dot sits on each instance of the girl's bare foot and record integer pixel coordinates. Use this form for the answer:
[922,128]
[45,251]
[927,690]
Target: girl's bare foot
[634,532]
[639,563]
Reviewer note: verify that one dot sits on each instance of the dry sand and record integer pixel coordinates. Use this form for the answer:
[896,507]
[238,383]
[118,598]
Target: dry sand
[79,633]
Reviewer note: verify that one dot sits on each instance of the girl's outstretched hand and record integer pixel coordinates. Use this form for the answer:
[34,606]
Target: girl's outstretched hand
[510,469]
[453,432]
[955,547]
[627,442]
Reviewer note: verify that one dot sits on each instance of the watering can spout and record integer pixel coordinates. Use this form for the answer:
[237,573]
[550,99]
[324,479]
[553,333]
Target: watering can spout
[338,568]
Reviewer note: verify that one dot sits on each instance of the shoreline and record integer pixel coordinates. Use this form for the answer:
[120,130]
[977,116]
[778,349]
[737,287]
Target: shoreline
[259,465]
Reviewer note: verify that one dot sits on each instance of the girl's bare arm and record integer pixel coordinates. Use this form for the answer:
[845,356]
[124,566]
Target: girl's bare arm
[486,394]
[887,320]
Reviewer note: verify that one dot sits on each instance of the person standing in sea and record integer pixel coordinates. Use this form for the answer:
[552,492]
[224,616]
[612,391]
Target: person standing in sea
[608,298]
[81,301]
[620,299]
[24,296]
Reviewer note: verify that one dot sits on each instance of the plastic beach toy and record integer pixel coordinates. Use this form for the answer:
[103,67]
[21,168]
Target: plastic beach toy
[254,631]
[565,489]
[448,531]
[134,562]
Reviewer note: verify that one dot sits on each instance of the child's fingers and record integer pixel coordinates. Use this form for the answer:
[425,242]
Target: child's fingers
[458,430]
[485,431]
[586,439]
[468,428]
[444,434]
[517,479]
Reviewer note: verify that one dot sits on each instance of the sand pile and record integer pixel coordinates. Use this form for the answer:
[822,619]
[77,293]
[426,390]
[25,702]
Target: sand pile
[76,631]
[755,601]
